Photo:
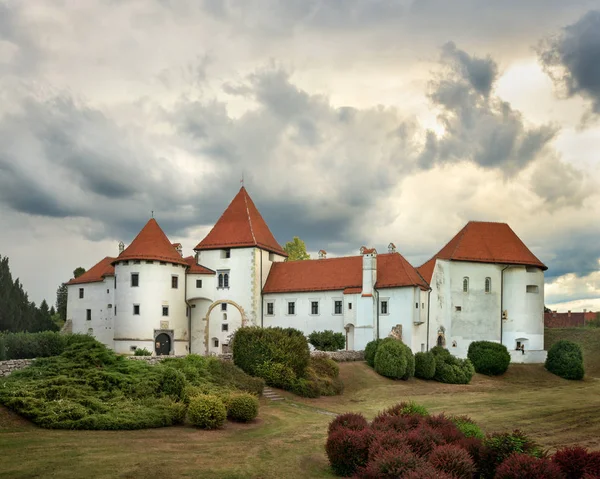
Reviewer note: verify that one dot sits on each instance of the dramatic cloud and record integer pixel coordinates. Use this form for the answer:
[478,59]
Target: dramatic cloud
[572,58]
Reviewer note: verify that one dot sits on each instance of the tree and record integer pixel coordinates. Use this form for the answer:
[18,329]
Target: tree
[77,272]
[61,301]
[296,250]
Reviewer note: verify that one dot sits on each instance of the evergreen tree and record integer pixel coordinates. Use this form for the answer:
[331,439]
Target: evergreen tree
[61,301]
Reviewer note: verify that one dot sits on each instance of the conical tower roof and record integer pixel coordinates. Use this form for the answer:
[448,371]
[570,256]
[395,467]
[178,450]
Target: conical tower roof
[151,243]
[241,226]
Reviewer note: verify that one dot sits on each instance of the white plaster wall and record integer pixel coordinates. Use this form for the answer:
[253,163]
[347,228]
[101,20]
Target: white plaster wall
[439,309]
[219,317]
[525,311]
[154,292]
[97,297]
[199,308]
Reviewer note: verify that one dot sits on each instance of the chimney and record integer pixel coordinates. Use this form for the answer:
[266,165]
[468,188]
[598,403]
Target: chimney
[391,248]
[369,270]
[322,254]
[121,247]
[179,250]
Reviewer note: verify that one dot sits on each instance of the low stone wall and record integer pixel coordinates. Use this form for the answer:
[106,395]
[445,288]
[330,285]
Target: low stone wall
[341,356]
[7,367]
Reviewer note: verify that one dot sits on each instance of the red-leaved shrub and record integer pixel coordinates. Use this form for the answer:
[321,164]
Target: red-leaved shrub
[383,422]
[518,466]
[445,427]
[453,460]
[572,461]
[356,422]
[592,467]
[385,440]
[423,440]
[348,450]
[391,463]
[427,472]
[474,446]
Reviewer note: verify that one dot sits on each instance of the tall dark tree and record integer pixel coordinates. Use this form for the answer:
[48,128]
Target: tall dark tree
[61,301]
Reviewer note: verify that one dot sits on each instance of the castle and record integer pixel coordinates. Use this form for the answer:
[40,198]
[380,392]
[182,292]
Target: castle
[485,284]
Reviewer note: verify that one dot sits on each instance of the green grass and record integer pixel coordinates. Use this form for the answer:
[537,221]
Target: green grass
[288,437]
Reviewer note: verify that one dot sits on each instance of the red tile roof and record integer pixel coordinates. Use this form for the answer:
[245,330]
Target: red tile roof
[151,243]
[241,225]
[484,242]
[196,268]
[96,273]
[340,274]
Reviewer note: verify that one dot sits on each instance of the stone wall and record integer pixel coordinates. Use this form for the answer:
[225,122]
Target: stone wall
[342,356]
[7,367]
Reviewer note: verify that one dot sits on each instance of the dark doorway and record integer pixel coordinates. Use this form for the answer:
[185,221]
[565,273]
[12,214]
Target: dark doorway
[440,341]
[163,344]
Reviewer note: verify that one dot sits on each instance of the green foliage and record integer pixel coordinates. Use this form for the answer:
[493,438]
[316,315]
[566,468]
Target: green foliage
[467,426]
[17,313]
[499,446]
[242,407]
[323,365]
[296,250]
[62,293]
[207,412]
[406,409]
[327,340]
[371,350]
[77,272]
[90,387]
[255,346]
[565,359]
[142,352]
[394,359]
[425,365]
[277,375]
[37,345]
[489,358]
[451,370]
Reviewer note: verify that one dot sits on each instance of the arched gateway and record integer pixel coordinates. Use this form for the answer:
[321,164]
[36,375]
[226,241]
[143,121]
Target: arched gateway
[226,322]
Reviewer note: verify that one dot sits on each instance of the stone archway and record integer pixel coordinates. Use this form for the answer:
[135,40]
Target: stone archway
[207,320]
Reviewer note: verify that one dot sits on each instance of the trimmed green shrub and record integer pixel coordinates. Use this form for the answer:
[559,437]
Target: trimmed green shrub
[242,407]
[327,340]
[406,409]
[324,366]
[172,382]
[277,375]
[142,352]
[207,412]
[451,370]
[425,365]
[394,359]
[489,358]
[371,350]
[253,346]
[565,359]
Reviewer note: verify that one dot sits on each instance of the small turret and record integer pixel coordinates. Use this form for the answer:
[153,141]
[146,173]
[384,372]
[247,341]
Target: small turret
[121,247]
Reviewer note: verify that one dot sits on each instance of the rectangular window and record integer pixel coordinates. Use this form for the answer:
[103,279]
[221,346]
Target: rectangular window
[174,282]
[384,307]
[88,314]
[488,285]
[533,288]
[135,280]
[198,283]
[458,308]
[270,309]
[422,305]
[107,291]
[337,307]
[416,305]
[136,309]
[223,306]
[291,307]
[225,327]
[115,309]
[422,347]
[271,257]
[349,305]
[165,310]
[109,306]
[314,307]
[216,343]
[80,293]
[136,261]
[226,253]
[223,279]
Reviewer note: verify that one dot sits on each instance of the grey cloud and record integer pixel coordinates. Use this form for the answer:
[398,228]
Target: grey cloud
[573,251]
[15,30]
[560,184]
[573,58]
[479,126]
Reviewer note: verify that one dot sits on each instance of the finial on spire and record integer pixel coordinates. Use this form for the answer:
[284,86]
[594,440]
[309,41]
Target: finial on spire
[152,213]
[242,180]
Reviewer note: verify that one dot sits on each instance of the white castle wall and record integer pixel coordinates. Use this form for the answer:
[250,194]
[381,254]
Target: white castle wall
[99,298]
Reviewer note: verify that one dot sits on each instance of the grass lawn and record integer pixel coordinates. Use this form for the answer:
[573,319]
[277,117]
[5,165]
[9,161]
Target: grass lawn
[287,439]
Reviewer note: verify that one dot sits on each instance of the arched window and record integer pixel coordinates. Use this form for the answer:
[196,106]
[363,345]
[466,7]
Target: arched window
[488,285]
[221,280]
[226,280]
[465,284]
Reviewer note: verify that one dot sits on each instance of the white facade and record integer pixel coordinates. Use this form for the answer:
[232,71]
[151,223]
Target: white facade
[93,313]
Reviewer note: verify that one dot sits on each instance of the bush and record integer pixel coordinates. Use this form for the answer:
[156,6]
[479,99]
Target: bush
[172,382]
[518,466]
[410,408]
[327,340]
[350,420]
[242,407]
[452,460]
[489,358]
[565,359]
[207,412]
[142,352]
[254,346]
[348,450]
[324,366]
[575,462]
[451,370]
[394,359]
[277,375]
[392,463]
[371,350]
[467,426]
[423,440]
[498,447]
[425,365]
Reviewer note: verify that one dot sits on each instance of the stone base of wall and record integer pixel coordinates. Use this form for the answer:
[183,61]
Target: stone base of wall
[7,367]
[341,356]
[530,357]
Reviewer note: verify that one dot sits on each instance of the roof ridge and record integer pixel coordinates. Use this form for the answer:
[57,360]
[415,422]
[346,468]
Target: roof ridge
[249,217]
[461,233]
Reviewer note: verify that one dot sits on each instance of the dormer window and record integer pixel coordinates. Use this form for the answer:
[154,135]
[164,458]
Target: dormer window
[465,284]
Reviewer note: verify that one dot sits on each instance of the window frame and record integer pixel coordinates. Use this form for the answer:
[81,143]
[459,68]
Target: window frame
[174,281]
[88,314]
[532,289]
[465,284]
[223,279]
[271,307]
[292,303]
[137,280]
[224,327]
[138,310]
[165,308]
[488,285]
[198,282]
[386,302]
[312,304]
[337,301]
[81,293]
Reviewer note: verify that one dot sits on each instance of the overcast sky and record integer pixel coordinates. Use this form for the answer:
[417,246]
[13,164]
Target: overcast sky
[354,122]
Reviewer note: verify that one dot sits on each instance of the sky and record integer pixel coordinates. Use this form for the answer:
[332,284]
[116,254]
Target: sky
[353,123]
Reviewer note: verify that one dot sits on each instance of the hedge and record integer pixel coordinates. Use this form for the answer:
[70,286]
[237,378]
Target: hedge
[491,359]
[565,359]
[371,350]
[425,365]
[207,412]
[254,346]
[242,407]
[327,340]
[394,359]
[37,345]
